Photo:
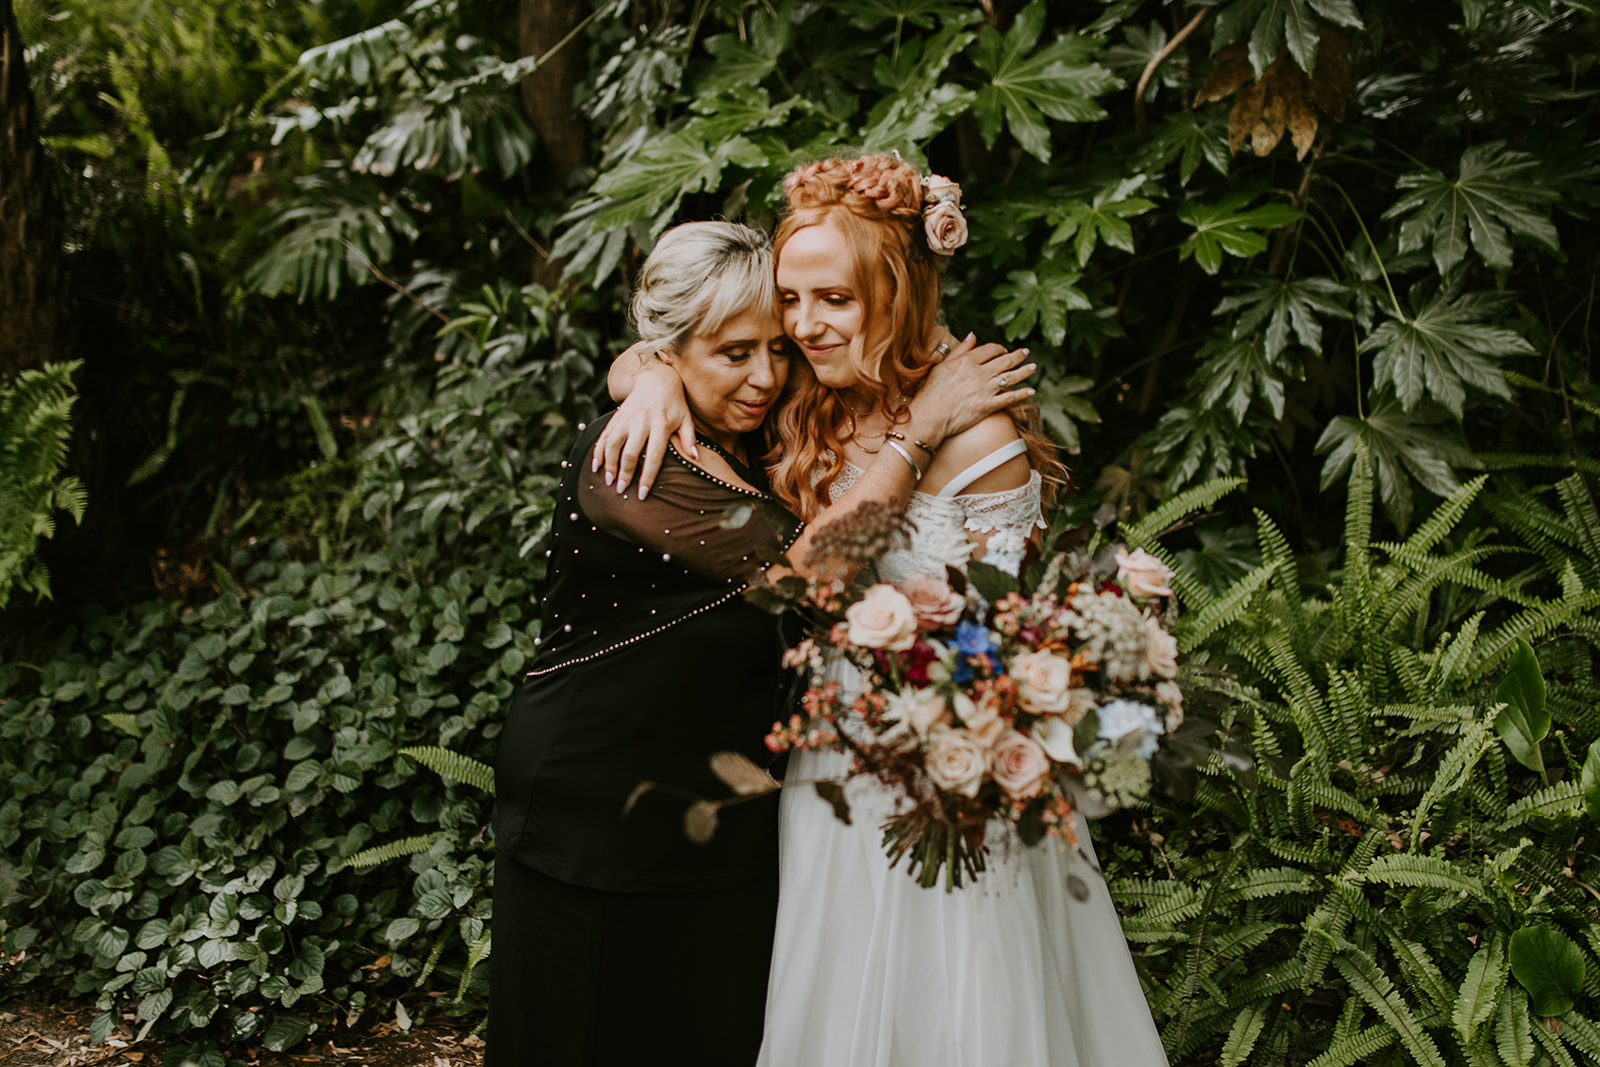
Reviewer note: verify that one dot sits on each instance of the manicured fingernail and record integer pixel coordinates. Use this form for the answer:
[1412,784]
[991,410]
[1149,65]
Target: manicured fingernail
[1026,351]
[644,491]
[694,450]
[594,465]
[608,477]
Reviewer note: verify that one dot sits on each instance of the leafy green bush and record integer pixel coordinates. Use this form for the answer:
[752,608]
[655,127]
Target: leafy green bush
[1372,901]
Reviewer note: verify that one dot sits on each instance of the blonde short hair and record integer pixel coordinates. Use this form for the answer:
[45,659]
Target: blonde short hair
[700,275]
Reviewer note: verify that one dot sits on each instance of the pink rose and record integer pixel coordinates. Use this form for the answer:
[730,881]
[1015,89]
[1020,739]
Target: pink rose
[882,619]
[1142,575]
[938,187]
[1042,680]
[1160,650]
[936,604]
[981,717]
[957,762]
[945,227]
[1020,766]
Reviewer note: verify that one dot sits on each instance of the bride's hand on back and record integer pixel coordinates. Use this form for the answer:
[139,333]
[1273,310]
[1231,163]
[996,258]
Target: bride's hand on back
[654,413]
[971,383]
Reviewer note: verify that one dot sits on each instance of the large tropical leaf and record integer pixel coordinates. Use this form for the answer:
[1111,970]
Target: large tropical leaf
[1286,305]
[1234,372]
[1227,228]
[1194,441]
[1039,300]
[1062,408]
[1190,139]
[1101,219]
[1275,24]
[1444,345]
[747,59]
[1495,198]
[1027,86]
[652,183]
[1423,445]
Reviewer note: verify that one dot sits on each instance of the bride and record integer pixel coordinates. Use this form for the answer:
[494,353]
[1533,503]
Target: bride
[869,969]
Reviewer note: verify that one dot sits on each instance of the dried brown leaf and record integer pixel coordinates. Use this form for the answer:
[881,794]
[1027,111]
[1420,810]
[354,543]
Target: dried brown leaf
[1330,81]
[741,775]
[1245,114]
[700,821]
[1268,130]
[1302,116]
[1233,70]
[633,798]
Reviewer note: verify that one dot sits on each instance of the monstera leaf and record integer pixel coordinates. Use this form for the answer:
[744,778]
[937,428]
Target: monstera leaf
[1494,198]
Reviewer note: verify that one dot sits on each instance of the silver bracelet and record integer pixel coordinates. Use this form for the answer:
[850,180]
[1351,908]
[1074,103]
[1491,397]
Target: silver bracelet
[905,456]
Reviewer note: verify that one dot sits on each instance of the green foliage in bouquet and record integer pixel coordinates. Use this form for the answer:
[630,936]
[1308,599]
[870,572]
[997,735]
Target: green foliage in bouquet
[1411,884]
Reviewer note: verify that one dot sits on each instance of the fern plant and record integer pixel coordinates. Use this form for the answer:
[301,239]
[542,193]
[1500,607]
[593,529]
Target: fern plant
[35,427]
[1365,905]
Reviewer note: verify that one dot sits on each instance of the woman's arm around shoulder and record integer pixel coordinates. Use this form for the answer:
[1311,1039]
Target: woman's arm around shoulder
[958,454]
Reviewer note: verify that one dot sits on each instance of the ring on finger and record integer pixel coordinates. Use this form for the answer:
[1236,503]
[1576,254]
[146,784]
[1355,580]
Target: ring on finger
[1002,380]
[943,348]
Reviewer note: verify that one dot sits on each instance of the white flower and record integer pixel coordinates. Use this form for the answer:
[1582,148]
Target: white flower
[1129,727]
[1055,737]
[1005,551]
[883,618]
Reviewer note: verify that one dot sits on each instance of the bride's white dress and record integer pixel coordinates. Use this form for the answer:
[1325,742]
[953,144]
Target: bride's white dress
[871,970]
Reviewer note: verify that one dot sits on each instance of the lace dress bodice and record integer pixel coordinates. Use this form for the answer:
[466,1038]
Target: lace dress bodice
[943,522]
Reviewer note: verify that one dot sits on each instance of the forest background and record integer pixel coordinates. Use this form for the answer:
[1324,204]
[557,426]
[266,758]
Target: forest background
[301,305]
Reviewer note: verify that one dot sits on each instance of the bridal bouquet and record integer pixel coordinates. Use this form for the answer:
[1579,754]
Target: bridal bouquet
[985,696]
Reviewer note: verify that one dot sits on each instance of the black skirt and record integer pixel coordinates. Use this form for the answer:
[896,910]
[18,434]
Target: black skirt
[583,977]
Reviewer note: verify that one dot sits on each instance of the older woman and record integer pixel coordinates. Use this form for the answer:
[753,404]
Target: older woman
[616,939]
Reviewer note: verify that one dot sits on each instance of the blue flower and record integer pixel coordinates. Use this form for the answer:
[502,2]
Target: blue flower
[974,640]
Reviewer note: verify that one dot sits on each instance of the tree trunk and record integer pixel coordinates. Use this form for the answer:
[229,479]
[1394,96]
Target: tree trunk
[547,92]
[31,277]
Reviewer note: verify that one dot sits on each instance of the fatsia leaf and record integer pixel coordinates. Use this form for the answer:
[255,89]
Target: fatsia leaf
[1026,86]
[869,13]
[1191,140]
[1549,966]
[1524,722]
[1104,218]
[1062,408]
[1226,228]
[1193,441]
[1275,24]
[655,180]
[1039,300]
[1404,447]
[1444,345]
[1286,305]
[747,62]
[1494,198]
[1236,371]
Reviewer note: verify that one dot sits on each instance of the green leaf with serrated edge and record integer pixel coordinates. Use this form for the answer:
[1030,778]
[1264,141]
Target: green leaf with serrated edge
[1243,1033]
[1032,300]
[1513,1033]
[1226,228]
[1102,219]
[869,13]
[1190,139]
[1546,963]
[1275,24]
[1443,345]
[1062,408]
[1286,305]
[1192,441]
[1481,988]
[1494,197]
[1027,86]
[1423,445]
[1233,372]
[1524,722]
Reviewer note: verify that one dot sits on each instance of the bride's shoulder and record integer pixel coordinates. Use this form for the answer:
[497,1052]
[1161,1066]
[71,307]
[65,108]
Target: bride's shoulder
[959,454]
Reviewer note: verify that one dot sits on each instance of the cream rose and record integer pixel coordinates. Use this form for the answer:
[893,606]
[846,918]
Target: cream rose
[1080,702]
[936,604]
[1171,698]
[940,188]
[957,762]
[1160,650]
[1142,575]
[1020,766]
[981,717]
[945,227]
[1055,737]
[1042,680]
[882,619]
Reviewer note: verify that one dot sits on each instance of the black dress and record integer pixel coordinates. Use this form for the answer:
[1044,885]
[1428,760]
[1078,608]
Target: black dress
[616,939]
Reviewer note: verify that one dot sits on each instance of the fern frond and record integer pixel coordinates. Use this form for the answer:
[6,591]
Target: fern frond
[1372,986]
[1513,1033]
[1457,653]
[1243,1033]
[1563,798]
[1357,1048]
[477,952]
[407,846]
[450,764]
[1581,514]
[1553,1046]
[1445,516]
[1424,872]
[128,724]
[1581,1034]
[1275,550]
[1178,506]
[1530,626]
[1480,990]
[1272,882]
[1417,966]
[1197,627]
[1452,773]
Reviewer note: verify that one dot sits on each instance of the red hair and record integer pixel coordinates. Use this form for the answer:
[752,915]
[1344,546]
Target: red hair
[876,202]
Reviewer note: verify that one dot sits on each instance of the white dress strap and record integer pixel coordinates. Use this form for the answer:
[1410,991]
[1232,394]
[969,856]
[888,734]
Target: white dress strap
[984,466]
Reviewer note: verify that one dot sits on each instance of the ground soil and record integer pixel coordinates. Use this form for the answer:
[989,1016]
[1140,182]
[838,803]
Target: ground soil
[57,1035]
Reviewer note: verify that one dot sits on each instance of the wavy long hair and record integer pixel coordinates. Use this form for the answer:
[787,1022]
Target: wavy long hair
[876,203]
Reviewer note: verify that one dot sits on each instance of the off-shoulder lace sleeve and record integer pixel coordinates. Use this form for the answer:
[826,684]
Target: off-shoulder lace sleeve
[1019,510]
